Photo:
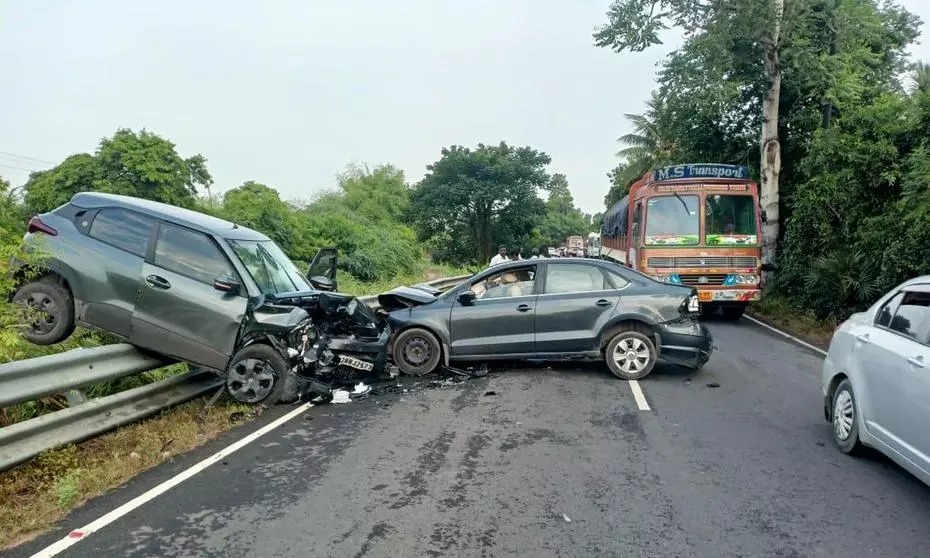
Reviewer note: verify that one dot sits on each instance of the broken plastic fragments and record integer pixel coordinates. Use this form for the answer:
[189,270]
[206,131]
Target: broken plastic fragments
[341,396]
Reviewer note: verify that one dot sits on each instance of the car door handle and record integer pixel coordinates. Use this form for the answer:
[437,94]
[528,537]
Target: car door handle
[524,308]
[603,302]
[917,361]
[157,282]
[864,338]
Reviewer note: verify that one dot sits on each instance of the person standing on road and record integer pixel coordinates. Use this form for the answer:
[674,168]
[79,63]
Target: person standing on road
[500,258]
[535,255]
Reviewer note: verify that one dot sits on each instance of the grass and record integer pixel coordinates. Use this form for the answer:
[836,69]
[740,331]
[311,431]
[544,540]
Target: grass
[780,312]
[429,272]
[35,495]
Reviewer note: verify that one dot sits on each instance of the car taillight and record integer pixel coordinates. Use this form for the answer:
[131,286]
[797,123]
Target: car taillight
[37,226]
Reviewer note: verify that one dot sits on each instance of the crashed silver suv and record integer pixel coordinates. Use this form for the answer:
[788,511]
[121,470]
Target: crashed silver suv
[197,289]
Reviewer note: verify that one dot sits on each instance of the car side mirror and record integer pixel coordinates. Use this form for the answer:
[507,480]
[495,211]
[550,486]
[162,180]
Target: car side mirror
[227,284]
[467,297]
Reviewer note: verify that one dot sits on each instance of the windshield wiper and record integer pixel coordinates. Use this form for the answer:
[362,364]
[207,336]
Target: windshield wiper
[683,204]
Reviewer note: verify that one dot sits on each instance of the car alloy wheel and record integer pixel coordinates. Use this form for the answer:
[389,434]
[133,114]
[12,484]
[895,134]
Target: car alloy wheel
[250,380]
[844,415]
[631,355]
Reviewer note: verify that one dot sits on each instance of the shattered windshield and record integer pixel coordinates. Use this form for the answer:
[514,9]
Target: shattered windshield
[730,219]
[672,220]
[269,266]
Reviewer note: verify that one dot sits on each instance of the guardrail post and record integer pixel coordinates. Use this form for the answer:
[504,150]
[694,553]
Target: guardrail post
[75,397]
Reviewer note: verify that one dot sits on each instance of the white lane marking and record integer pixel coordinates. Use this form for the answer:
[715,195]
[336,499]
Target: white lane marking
[82,533]
[639,396]
[788,335]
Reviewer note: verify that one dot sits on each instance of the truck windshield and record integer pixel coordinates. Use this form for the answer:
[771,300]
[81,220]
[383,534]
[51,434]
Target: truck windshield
[269,267]
[672,220]
[729,219]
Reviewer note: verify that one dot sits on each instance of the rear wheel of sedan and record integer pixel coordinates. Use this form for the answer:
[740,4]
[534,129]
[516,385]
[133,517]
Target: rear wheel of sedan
[845,419]
[50,308]
[257,374]
[416,352]
[630,354]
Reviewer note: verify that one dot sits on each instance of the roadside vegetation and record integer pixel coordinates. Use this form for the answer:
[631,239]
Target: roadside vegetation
[850,152]
[386,230]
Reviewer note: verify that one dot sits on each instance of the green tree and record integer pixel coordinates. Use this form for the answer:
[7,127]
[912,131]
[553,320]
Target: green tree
[147,166]
[561,218]
[46,190]
[139,164]
[259,207]
[472,199]
[381,194]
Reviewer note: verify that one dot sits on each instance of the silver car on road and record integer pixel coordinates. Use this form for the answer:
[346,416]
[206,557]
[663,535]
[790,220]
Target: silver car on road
[876,378]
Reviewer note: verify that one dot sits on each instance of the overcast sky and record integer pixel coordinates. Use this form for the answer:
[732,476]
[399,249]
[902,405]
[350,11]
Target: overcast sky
[290,92]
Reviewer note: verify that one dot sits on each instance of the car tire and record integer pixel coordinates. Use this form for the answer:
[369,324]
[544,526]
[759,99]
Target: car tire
[630,354]
[55,300]
[844,416]
[732,312]
[416,352]
[257,374]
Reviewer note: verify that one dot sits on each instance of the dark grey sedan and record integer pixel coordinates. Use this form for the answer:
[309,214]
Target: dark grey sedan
[549,309]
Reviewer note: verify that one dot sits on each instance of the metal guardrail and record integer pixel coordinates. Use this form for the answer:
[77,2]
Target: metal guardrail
[31,379]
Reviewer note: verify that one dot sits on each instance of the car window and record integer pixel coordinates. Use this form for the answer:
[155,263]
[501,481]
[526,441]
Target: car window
[506,284]
[911,313]
[190,253]
[887,311]
[123,229]
[618,280]
[575,278]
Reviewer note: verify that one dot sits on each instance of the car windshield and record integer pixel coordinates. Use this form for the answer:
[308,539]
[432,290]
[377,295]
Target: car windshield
[672,220]
[269,266]
[730,219]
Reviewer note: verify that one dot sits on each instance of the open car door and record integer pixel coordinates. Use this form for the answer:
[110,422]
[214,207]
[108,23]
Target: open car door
[322,270]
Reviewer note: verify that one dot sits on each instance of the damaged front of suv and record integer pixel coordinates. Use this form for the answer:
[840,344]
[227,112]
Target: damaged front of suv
[300,342]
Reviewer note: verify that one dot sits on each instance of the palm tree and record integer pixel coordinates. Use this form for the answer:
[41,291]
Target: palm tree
[647,146]
[921,78]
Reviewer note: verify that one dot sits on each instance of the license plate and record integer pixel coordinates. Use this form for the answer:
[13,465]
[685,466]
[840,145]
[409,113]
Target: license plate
[356,363]
[705,296]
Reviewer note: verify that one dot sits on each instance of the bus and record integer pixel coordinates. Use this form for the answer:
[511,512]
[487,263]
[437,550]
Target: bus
[693,224]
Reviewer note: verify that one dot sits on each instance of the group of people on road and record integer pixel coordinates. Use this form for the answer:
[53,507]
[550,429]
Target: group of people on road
[502,255]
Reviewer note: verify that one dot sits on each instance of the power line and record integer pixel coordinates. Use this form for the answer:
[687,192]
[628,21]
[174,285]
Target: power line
[20,168]
[27,158]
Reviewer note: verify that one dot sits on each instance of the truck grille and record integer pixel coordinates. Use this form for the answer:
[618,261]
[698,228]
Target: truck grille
[660,262]
[695,280]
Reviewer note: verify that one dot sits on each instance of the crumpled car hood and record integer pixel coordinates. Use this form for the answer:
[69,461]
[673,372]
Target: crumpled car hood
[407,297]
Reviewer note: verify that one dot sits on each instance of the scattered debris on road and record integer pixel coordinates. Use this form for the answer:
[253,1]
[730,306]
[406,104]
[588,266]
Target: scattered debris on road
[713,385]
[566,518]
[488,393]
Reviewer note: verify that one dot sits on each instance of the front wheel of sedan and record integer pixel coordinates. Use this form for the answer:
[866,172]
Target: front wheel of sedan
[416,352]
[845,419]
[630,355]
[257,374]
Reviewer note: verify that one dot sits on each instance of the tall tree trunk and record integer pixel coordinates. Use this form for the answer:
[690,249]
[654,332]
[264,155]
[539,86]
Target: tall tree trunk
[771,148]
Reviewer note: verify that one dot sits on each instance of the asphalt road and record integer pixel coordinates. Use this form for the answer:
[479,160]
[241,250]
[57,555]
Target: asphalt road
[743,469]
